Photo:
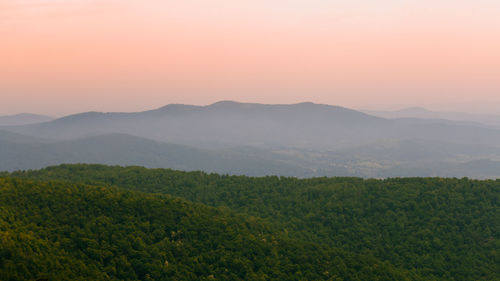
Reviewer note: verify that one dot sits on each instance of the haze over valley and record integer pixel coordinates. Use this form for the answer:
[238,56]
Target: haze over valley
[301,140]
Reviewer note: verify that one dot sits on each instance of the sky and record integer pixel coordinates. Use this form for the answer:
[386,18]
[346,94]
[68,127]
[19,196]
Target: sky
[64,56]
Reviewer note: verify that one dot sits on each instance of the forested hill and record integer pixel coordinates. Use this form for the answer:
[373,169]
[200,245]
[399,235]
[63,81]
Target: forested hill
[66,231]
[437,228]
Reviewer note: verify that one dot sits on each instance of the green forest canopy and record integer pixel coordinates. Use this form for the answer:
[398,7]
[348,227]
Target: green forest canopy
[420,228]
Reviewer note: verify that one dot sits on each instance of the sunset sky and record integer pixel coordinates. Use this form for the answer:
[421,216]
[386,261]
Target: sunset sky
[64,56]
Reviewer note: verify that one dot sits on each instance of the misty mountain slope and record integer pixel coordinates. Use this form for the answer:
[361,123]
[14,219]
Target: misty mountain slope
[225,123]
[23,119]
[228,124]
[7,136]
[422,113]
[411,158]
[389,158]
[118,149]
[300,140]
[417,150]
[447,131]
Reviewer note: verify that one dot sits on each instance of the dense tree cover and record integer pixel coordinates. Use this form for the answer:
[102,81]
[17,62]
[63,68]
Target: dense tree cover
[68,231]
[448,229]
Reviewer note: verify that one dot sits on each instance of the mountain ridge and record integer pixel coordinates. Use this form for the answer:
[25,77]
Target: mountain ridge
[490,120]
[305,138]
[23,119]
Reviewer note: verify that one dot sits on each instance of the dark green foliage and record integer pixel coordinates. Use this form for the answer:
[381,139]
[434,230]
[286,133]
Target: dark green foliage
[68,231]
[447,229]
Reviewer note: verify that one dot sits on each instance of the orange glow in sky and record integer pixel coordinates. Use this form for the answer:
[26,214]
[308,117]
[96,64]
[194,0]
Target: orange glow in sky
[64,56]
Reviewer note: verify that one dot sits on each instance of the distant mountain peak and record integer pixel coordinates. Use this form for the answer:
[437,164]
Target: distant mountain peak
[23,119]
[225,103]
[229,104]
[25,115]
[174,106]
[306,103]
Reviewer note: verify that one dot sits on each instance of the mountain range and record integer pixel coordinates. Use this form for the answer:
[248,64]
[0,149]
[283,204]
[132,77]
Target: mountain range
[491,120]
[23,119]
[303,140]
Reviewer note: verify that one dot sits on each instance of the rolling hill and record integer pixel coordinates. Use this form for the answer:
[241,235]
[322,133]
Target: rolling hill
[490,120]
[435,228]
[61,231]
[23,119]
[220,124]
[304,125]
[300,140]
[18,152]
[379,160]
